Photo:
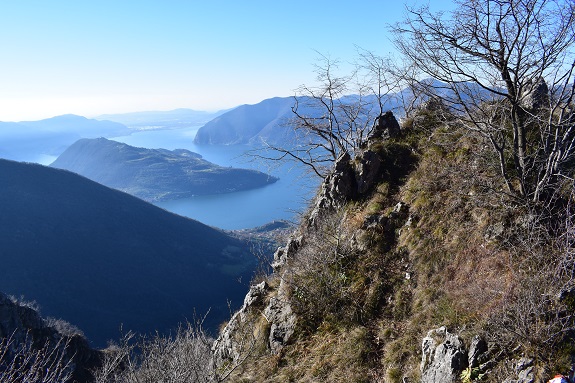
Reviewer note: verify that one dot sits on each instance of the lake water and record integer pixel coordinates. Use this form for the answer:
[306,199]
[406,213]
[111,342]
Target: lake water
[284,199]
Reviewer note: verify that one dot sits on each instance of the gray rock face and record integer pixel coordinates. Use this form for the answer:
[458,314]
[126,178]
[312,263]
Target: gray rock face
[368,171]
[443,357]
[233,341]
[535,95]
[350,180]
[283,321]
[284,253]
[340,185]
[226,347]
[337,188]
[477,351]
[385,125]
[525,371]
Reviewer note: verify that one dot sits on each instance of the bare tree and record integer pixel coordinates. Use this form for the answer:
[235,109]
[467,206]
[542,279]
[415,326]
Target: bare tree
[334,116]
[506,67]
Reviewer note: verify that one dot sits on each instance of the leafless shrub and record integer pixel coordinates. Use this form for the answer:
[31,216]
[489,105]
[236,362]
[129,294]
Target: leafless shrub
[22,301]
[538,316]
[23,361]
[185,357]
[63,327]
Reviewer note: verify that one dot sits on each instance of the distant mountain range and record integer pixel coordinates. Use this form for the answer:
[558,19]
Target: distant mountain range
[172,118]
[155,174]
[267,121]
[101,258]
[82,126]
[29,140]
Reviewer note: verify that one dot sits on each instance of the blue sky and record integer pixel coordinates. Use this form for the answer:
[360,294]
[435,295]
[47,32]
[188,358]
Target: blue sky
[100,56]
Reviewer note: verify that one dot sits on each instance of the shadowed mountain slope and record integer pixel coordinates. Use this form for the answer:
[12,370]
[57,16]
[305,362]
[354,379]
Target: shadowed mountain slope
[99,257]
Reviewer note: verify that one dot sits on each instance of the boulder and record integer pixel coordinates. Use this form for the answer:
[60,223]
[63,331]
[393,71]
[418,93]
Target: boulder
[443,357]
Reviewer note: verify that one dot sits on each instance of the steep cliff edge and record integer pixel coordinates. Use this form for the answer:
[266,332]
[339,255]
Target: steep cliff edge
[411,265]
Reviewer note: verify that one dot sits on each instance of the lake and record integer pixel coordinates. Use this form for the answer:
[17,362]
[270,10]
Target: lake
[284,199]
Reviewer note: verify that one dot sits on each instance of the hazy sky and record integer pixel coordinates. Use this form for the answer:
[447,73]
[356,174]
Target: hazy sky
[90,57]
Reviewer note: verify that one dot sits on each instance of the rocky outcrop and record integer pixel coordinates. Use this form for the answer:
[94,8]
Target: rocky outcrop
[350,179]
[239,337]
[524,371]
[282,320]
[282,254]
[369,169]
[445,357]
[535,95]
[477,352]
[385,126]
[228,347]
[22,324]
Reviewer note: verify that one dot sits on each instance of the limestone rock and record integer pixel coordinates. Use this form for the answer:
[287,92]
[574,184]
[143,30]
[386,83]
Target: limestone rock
[535,95]
[443,357]
[525,371]
[477,351]
[368,171]
[385,125]
[340,184]
[337,188]
[226,347]
[284,253]
[283,321]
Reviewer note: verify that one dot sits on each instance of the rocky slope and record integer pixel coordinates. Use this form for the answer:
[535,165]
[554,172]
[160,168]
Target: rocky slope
[155,174]
[411,266]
